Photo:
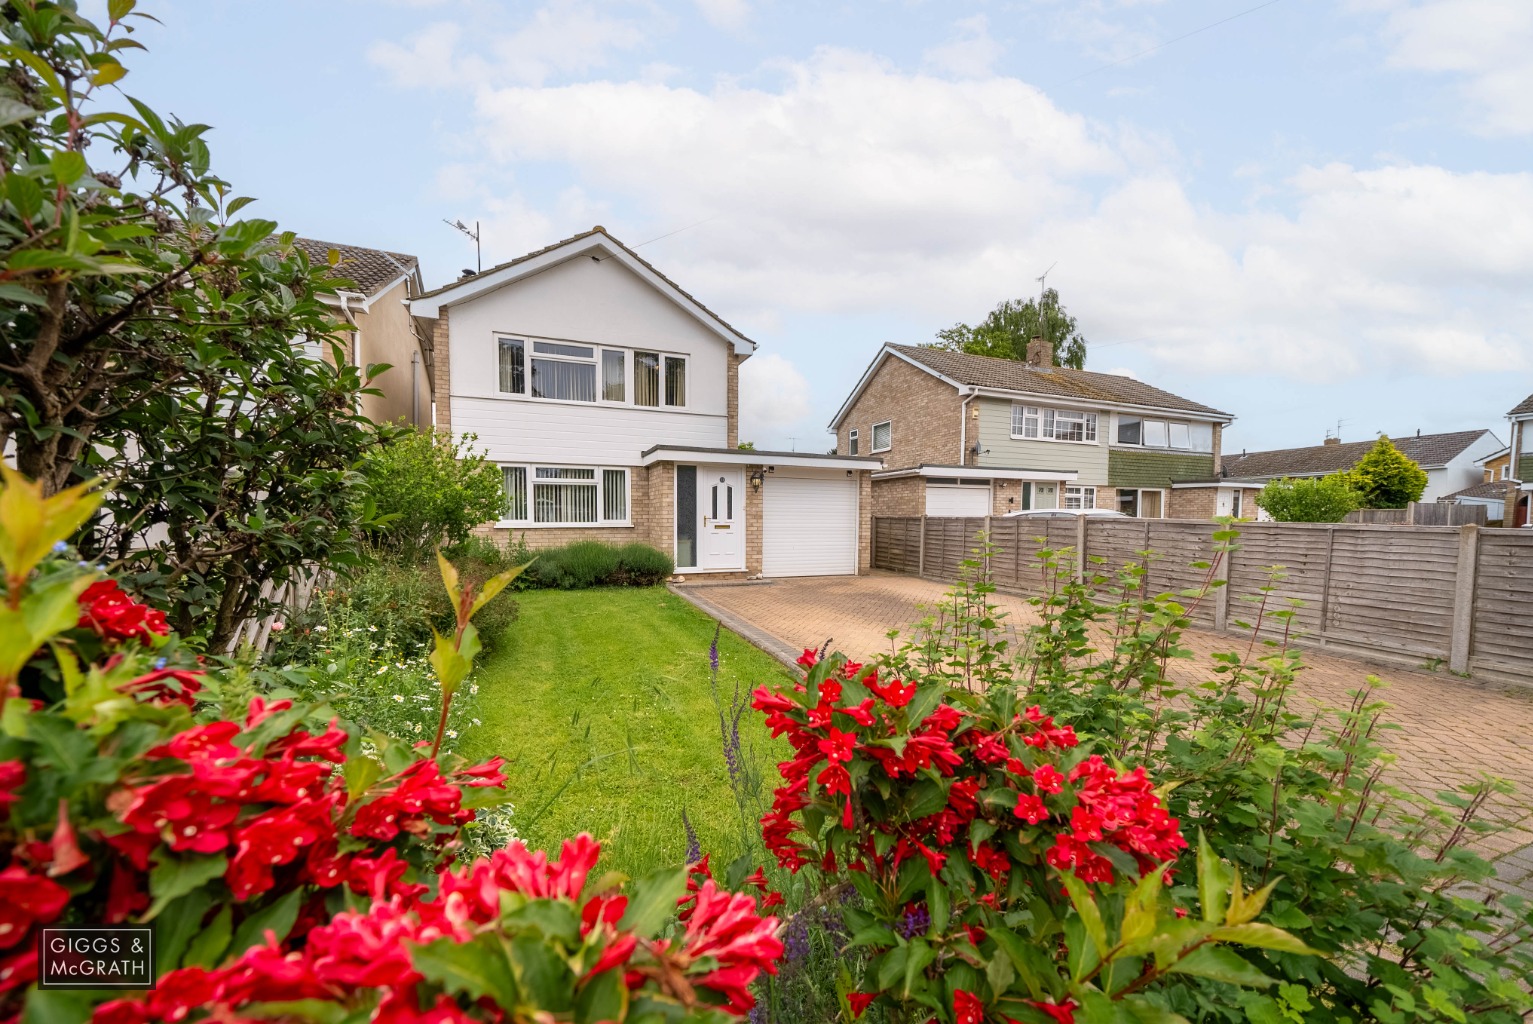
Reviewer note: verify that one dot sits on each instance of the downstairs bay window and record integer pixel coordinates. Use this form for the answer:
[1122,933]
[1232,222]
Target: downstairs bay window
[565,496]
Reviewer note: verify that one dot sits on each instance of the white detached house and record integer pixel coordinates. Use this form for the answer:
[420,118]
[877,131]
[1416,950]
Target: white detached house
[610,399]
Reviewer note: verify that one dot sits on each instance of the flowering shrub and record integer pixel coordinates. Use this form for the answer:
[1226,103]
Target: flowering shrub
[1003,869]
[293,875]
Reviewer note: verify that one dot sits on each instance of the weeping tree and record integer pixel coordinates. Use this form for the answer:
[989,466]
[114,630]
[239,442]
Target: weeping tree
[151,336]
[1008,328]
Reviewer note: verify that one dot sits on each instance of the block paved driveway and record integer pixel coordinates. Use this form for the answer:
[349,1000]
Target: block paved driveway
[1451,729]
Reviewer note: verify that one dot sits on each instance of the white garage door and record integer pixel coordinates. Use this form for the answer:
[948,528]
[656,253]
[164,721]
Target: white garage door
[809,526]
[957,500]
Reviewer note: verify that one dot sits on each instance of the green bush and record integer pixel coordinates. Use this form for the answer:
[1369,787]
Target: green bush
[590,563]
[1325,499]
[430,488]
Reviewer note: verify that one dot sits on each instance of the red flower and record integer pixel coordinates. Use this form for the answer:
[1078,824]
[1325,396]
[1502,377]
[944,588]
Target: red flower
[1030,808]
[809,658]
[859,1002]
[115,617]
[757,878]
[968,1008]
[480,775]
[839,746]
[12,775]
[67,855]
[893,693]
[724,927]
[1063,1013]
[27,899]
[419,793]
[166,686]
[1048,779]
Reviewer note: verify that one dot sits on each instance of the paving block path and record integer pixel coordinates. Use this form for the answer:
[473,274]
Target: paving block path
[1451,730]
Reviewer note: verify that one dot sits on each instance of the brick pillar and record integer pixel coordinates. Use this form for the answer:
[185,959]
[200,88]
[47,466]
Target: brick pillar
[441,371]
[1218,444]
[733,403]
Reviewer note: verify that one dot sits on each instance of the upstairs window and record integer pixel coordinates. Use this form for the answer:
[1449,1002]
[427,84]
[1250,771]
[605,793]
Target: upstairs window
[1175,435]
[883,436]
[851,442]
[565,372]
[1043,424]
[613,376]
[513,369]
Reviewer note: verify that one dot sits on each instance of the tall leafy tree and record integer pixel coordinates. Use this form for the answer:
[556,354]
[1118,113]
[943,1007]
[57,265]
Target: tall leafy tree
[147,334]
[1386,477]
[1008,328]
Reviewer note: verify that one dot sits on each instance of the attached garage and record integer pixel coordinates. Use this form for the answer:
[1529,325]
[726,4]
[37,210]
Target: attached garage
[809,524]
[958,497]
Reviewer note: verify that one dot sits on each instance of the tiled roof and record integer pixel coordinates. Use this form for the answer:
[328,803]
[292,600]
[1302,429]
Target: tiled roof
[1523,407]
[1485,489]
[1055,382]
[370,269]
[1427,450]
[597,230]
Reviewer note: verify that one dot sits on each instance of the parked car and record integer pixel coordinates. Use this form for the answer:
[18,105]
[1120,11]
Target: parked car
[1067,513]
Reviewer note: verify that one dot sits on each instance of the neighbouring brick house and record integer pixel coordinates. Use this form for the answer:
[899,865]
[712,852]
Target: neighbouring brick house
[1507,473]
[1452,461]
[380,330]
[975,435]
[609,397]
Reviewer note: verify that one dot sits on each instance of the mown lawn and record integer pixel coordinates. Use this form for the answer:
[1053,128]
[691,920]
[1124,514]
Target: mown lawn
[619,676]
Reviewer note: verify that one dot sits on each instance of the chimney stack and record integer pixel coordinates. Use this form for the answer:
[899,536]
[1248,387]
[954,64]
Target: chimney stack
[1329,440]
[1040,354]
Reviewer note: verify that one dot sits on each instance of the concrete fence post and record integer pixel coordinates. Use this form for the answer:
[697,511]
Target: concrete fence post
[921,550]
[985,547]
[1080,548]
[1222,573]
[1463,599]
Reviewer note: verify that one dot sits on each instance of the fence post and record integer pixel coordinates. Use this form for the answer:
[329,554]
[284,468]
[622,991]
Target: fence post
[1222,575]
[872,544]
[1463,598]
[1080,549]
[986,549]
[921,550]
[1325,583]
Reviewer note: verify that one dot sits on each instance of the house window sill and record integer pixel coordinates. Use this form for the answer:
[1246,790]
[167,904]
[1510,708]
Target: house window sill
[508,524]
[1055,440]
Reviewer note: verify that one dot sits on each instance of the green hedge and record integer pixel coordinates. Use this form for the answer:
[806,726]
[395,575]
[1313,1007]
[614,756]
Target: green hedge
[590,563]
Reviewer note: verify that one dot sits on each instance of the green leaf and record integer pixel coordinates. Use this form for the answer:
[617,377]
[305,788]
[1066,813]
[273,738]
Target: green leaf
[17,294]
[119,9]
[603,998]
[1263,936]
[1220,964]
[542,974]
[13,110]
[277,917]
[237,204]
[361,772]
[451,666]
[917,958]
[449,578]
[1086,906]
[58,1006]
[477,968]
[171,877]
[68,166]
[108,73]
[1145,1012]
[177,929]
[207,948]
[1213,881]
[494,585]
[654,901]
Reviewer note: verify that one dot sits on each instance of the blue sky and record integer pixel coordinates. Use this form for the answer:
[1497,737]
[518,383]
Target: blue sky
[1314,212]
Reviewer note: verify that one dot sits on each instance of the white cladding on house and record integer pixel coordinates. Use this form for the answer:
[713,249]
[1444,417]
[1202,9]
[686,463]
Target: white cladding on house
[593,302]
[1463,470]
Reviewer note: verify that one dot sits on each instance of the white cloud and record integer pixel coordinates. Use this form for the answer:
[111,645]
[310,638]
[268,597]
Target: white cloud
[1486,43]
[841,184]
[729,15]
[774,397]
[970,53]
[562,37]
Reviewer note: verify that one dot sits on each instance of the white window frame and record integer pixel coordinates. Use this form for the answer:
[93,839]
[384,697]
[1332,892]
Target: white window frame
[873,447]
[630,369]
[1081,494]
[1042,423]
[1169,428]
[598,483]
[852,439]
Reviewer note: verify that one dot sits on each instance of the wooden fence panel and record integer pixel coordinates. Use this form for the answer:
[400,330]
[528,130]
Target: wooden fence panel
[1503,602]
[1294,561]
[949,541]
[897,544]
[1392,589]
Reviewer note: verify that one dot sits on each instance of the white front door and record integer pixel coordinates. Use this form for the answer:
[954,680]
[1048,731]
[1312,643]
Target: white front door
[1045,496]
[721,517]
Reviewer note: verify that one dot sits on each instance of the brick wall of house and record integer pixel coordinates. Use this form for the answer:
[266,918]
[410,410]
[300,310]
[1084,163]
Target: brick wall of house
[1192,503]
[1005,496]
[923,411]
[441,371]
[732,432]
[1218,448]
[904,496]
[754,513]
[864,523]
[1107,497]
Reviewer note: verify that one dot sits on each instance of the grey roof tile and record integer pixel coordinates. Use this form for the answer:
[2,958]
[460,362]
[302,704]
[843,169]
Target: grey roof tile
[1056,382]
[1426,450]
[370,269]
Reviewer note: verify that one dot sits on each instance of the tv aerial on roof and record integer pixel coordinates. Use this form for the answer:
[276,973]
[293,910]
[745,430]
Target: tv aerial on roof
[474,234]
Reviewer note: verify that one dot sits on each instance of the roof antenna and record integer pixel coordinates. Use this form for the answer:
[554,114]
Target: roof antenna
[1043,325]
[474,234]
